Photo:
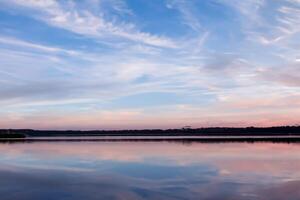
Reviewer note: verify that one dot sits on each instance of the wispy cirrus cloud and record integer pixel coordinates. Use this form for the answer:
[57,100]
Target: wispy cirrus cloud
[30,45]
[84,22]
[187,12]
[210,61]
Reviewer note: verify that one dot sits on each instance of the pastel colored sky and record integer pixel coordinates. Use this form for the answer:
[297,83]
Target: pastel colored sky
[118,64]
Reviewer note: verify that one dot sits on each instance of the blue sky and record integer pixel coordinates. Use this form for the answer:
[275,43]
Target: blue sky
[114,64]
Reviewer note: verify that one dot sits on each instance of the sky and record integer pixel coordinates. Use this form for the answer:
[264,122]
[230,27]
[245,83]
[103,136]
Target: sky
[136,64]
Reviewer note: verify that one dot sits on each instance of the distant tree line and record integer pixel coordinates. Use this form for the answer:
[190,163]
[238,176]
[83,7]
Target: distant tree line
[212,131]
[7,133]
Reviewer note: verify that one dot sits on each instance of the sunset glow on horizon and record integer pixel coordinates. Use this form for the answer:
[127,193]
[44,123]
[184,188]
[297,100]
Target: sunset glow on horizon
[143,64]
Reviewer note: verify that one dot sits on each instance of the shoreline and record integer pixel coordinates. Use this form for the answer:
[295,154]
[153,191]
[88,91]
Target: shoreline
[204,139]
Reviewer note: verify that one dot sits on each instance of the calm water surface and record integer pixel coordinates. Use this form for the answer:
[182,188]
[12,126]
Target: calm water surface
[149,170]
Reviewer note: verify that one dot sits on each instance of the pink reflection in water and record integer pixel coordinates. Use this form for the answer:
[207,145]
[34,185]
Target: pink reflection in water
[240,170]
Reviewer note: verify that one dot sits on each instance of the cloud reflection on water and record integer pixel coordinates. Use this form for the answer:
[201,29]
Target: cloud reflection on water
[148,170]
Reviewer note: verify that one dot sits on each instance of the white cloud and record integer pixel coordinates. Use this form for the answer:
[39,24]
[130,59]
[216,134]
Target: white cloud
[84,22]
[187,12]
[127,61]
[22,43]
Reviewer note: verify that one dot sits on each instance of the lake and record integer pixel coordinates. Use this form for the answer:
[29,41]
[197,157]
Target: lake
[79,170]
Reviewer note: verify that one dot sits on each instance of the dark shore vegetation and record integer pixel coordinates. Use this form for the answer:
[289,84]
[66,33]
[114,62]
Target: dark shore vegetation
[214,131]
[12,135]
